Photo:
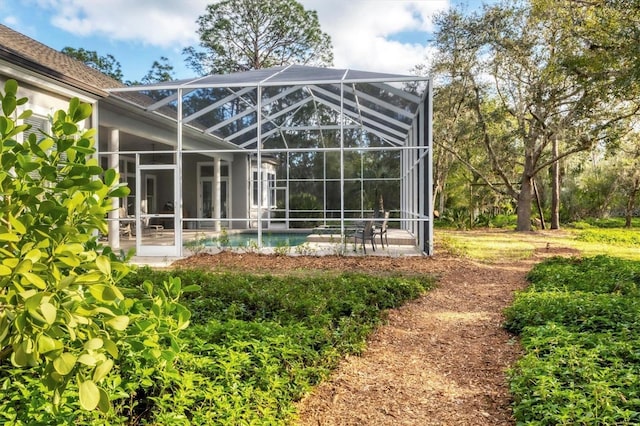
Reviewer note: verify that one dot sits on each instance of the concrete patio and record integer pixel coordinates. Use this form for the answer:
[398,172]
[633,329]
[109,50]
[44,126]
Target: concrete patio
[401,243]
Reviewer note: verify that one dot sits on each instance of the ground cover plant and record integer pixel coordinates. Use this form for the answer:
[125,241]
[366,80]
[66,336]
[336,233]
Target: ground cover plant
[257,343]
[579,327]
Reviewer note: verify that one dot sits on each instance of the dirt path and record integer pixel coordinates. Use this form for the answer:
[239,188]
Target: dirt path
[440,360]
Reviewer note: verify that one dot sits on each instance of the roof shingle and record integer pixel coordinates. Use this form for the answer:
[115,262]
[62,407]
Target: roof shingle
[32,54]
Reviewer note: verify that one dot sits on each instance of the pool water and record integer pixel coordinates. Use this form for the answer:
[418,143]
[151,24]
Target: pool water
[269,239]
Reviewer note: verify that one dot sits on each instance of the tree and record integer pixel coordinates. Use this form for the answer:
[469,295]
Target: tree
[599,43]
[107,65]
[524,96]
[241,35]
[160,71]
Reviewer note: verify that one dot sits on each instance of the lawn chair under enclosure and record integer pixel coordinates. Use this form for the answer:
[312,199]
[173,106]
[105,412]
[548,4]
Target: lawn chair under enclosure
[365,234]
[382,231]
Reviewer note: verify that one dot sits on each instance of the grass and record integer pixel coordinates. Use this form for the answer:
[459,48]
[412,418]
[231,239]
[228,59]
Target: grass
[503,245]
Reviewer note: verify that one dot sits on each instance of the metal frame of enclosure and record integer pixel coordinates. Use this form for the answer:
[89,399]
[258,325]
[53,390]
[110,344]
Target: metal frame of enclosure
[293,113]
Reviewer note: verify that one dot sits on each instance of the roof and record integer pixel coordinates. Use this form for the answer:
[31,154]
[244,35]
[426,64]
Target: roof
[19,49]
[284,75]
[226,105]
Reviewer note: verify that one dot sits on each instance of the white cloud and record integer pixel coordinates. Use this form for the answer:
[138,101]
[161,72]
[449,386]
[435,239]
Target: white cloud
[161,23]
[366,34]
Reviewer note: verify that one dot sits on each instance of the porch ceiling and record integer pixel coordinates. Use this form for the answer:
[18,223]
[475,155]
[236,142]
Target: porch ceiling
[291,98]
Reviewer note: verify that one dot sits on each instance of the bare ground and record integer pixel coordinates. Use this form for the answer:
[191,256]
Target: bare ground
[439,360]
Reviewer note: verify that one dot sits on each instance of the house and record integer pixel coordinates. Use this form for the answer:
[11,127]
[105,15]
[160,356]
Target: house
[219,151]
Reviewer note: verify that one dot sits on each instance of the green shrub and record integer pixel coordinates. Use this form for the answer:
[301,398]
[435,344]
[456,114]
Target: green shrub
[579,328]
[287,299]
[599,274]
[72,346]
[576,378]
[258,343]
[612,222]
[583,312]
[303,205]
[504,221]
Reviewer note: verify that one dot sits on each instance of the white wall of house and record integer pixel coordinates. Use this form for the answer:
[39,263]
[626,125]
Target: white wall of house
[240,190]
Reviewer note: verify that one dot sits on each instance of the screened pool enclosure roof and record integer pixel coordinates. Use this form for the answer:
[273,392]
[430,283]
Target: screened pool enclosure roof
[296,108]
[225,106]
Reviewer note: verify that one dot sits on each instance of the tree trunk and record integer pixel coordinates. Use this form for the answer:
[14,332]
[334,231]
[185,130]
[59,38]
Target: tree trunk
[555,187]
[539,204]
[524,205]
[631,202]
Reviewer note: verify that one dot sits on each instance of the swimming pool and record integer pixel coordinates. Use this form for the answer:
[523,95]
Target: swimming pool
[269,239]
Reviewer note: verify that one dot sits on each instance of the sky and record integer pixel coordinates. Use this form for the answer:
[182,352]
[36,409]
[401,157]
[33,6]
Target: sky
[374,35]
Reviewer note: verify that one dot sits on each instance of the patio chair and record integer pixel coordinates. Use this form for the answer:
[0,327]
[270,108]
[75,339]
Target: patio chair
[383,230]
[365,234]
[146,221]
[125,223]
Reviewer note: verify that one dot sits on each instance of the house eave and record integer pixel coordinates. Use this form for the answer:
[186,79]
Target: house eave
[50,74]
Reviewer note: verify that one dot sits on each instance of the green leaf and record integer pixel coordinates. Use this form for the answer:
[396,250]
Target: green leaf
[69,128]
[111,348]
[120,322]
[5,125]
[9,104]
[87,359]
[64,363]
[104,405]
[93,344]
[104,265]
[83,150]
[72,261]
[91,277]
[103,292]
[94,185]
[19,356]
[25,114]
[64,144]
[110,176]
[5,271]
[49,312]
[47,344]
[102,370]
[119,192]
[11,87]
[7,236]
[24,266]
[17,225]
[33,255]
[89,395]
[46,144]
[32,299]
[35,280]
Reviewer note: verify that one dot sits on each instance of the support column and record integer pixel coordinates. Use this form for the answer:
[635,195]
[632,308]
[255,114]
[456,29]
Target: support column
[113,146]
[216,193]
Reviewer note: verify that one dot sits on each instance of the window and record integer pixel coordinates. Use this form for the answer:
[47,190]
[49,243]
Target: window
[128,175]
[254,185]
[37,123]
[268,188]
[271,178]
